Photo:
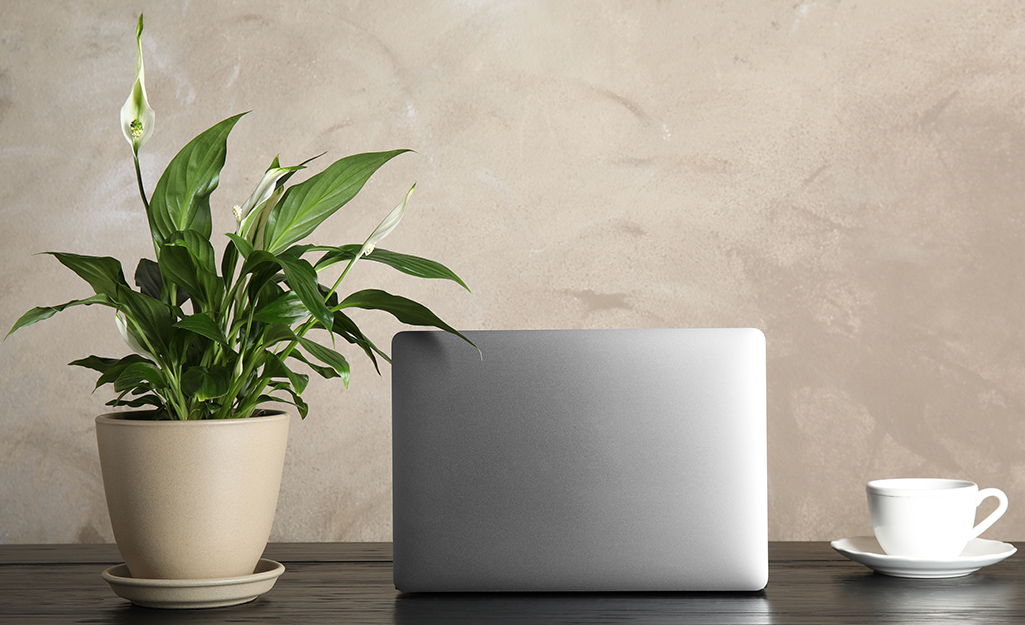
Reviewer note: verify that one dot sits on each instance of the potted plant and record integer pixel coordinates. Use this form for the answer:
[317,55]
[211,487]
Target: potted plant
[192,480]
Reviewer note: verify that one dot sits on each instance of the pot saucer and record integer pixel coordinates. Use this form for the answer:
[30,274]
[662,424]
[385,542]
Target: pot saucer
[194,593]
[979,553]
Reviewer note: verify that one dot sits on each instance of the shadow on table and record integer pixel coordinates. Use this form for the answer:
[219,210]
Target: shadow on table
[487,608]
[507,608]
[259,611]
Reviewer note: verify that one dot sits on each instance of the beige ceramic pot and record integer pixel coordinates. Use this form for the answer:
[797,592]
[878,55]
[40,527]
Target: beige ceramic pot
[191,499]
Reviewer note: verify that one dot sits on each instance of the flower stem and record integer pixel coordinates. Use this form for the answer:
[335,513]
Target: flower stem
[138,178]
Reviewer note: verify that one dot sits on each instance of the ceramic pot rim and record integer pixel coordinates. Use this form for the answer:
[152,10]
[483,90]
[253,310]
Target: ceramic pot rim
[130,418]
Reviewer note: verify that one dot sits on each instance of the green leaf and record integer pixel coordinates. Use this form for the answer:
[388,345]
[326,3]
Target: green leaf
[325,372]
[138,373]
[410,265]
[203,324]
[148,278]
[275,368]
[333,255]
[296,401]
[151,282]
[416,266]
[204,383]
[229,261]
[109,368]
[258,260]
[104,274]
[327,356]
[245,248]
[347,329]
[188,260]
[97,363]
[302,279]
[199,248]
[181,199]
[307,204]
[178,268]
[287,309]
[403,309]
[265,283]
[153,317]
[45,312]
[275,333]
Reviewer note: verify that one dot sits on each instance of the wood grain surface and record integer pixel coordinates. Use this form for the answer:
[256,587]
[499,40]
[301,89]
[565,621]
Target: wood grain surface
[351,583]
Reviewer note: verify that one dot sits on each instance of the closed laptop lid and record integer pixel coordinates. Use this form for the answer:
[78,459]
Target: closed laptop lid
[579,460]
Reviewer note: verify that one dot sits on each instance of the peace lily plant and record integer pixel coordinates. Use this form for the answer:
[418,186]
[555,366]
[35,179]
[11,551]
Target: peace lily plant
[219,340]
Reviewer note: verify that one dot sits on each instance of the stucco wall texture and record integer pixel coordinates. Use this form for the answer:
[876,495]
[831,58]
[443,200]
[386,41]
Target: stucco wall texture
[846,176]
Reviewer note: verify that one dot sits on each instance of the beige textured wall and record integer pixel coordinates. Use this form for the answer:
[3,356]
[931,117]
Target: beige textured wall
[846,176]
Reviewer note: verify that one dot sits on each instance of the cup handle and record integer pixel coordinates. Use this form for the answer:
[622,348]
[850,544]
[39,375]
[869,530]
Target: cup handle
[996,514]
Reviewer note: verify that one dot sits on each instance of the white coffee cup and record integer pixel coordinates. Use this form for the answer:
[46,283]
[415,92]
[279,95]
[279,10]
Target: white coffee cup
[928,518]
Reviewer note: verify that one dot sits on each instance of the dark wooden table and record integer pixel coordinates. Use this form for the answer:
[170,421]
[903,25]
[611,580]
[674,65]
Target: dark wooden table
[351,583]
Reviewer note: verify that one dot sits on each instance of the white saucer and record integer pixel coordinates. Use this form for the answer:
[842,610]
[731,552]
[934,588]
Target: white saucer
[979,553]
[194,593]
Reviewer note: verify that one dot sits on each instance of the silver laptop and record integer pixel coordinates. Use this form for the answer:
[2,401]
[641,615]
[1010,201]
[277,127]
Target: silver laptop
[580,460]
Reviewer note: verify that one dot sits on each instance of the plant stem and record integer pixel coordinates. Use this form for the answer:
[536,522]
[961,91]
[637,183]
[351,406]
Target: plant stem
[138,178]
[174,394]
[344,272]
[262,381]
[145,202]
[250,367]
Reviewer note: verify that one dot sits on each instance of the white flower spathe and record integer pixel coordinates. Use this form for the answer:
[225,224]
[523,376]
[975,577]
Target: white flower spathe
[136,115]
